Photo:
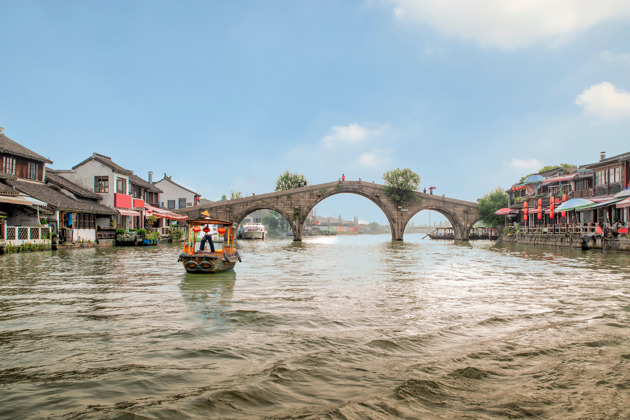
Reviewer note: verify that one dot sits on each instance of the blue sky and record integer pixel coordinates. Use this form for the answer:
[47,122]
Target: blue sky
[228,95]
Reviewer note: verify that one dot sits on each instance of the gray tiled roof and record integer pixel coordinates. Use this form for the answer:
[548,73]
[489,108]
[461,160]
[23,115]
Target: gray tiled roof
[7,190]
[52,177]
[107,161]
[168,178]
[10,147]
[135,179]
[55,198]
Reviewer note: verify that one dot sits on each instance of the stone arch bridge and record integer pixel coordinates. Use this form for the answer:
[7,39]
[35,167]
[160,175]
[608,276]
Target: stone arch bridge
[296,204]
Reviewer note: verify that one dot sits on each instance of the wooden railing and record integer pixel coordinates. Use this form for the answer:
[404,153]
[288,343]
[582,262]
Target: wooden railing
[577,228]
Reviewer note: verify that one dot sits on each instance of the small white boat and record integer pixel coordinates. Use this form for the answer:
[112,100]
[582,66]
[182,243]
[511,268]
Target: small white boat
[254,231]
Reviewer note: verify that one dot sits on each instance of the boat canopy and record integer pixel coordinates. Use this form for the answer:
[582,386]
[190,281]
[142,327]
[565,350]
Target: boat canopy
[199,222]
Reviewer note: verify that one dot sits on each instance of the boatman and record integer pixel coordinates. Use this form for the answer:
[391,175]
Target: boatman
[206,238]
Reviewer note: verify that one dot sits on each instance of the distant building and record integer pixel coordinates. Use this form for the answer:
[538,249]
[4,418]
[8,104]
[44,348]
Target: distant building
[175,196]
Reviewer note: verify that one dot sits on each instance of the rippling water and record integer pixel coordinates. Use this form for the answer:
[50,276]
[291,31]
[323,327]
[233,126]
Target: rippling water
[334,327]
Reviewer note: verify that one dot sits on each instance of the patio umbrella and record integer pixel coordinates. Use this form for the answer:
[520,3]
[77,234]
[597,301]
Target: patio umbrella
[533,179]
[574,204]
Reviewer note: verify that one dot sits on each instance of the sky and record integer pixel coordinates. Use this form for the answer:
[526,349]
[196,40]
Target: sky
[226,96]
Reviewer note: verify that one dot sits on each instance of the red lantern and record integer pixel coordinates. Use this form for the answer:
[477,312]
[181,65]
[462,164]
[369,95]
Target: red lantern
[552,202]
[525,211]
[564,198]
[206,229]
[196,229]
[222,230]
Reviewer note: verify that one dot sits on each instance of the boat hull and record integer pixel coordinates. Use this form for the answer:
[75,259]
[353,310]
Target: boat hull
[201,263]
[253,235]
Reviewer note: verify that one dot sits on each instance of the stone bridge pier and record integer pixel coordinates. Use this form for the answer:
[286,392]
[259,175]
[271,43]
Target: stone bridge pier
[296,204]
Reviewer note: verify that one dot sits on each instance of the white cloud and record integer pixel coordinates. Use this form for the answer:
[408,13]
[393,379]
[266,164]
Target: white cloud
[510,24]
[375,158]
[529,165]
[613,57]
[605,100]
[350,134]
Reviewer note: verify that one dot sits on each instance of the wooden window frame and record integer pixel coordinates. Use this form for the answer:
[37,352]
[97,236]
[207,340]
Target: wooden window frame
[101,184]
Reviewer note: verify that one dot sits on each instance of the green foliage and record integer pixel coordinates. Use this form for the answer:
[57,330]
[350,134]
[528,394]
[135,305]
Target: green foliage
[120,232]
[223,198]
[489,204]
[26,247]
[126,237]
[509,230]
[289,181]
[153,235]
[565,166]
[235,195]
[43,221]
[176,233]
[150,221]
[401,184]
[142,233]
[275,223]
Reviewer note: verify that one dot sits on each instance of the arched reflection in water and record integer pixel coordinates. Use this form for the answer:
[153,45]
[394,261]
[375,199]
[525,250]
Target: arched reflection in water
[210,296]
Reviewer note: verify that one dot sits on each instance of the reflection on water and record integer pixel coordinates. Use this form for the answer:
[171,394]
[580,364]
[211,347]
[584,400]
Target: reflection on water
[210,296]
[333,327]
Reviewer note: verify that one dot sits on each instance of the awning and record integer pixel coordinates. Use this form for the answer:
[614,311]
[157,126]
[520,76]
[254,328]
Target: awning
[534,210]
[624,203]
[623,193]
[559,178]
[602,204]
[505,212]
[21,200]
[574,204]
[164,214]
[124,212]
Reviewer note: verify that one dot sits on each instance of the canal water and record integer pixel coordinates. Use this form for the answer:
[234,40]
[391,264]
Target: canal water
[334,327]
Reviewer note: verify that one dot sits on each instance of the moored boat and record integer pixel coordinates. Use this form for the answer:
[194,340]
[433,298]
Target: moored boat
[202,255]
[442,233]
[254,231]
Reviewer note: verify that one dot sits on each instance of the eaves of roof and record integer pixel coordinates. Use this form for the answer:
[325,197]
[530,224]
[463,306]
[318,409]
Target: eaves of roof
[107,161]
[177,185]
[59,200]
[11,147]
[52,177]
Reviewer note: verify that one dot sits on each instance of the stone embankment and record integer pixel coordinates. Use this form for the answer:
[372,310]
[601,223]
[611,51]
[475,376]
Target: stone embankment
[570,241]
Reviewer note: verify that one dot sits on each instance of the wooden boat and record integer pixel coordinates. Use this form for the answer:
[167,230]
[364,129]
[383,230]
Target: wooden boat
[202,255]
[442,233]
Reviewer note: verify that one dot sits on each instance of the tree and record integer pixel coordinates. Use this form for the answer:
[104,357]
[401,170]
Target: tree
[489,204]
[275,223]
[401,184]
[223,198]
[289,181]
[235,195]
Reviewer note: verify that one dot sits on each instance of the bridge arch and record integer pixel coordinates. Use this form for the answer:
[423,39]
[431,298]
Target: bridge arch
[324,196]
[461,228]
[260,206]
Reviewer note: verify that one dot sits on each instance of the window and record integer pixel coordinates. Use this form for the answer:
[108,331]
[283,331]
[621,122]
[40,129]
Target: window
[101,184]
[121,185]
[600,177]
[182,203]
[33,170]
[171,205]
[136,191]
[8,165]
[614,175]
